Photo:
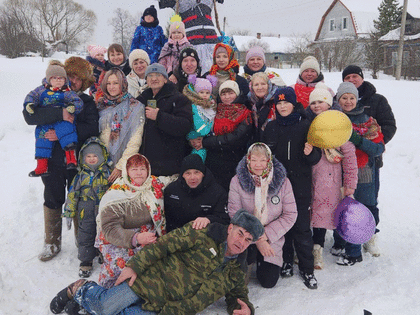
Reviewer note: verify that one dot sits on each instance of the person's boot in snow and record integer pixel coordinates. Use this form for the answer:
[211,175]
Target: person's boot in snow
[318,260]
[41,168]
[71,158]
[372,247]
[60,301]
[349,261]
[73,308]
[85,269]
[309,280]
[286,270]
[52,236]
[338,251]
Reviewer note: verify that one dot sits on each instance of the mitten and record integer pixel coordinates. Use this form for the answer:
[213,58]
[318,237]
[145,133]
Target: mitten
[355,138]
[30,108]
[71,109]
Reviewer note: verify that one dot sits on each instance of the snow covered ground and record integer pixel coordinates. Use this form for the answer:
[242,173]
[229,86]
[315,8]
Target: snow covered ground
[385,285]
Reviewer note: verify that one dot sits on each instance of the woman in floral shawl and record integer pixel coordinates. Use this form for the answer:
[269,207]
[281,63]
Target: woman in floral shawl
[121,120]
[130,216]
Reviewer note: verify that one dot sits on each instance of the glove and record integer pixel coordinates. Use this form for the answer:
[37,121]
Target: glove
[68,223]
[355,138]
[30,108]
[71,109]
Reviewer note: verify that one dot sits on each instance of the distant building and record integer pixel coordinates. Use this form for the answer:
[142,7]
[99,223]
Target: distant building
[277,49]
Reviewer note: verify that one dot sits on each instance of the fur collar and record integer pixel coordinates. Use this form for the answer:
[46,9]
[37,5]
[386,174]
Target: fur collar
[247,183]
[196,99]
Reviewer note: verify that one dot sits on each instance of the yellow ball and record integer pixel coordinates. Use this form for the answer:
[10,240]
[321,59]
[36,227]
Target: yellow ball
[330,129]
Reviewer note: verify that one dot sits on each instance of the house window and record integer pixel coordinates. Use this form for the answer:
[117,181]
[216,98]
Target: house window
[332,25]
[345,23]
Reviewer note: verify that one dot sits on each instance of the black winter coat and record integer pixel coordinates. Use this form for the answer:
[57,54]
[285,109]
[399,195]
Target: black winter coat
[164,139]
[287,144]
[184,204]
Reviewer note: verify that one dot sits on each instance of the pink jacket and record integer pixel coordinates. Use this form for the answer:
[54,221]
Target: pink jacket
[282,212]
[169,55]
[327,180]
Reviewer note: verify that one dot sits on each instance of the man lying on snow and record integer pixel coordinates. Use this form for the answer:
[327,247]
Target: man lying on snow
[185,271]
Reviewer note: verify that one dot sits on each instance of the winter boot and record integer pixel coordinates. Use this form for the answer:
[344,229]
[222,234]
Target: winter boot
[71,159]
[41,168]
[349,261]
[52,246]
[85,269]
[73,308]
[318,260]
[338,251]
[372,247]
[309,280]
[62,298]
[286,270]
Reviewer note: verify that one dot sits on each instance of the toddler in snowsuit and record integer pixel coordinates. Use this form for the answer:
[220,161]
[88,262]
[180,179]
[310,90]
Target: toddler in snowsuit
[203,108]
[54,92]
[169,55]
[85,193]
[149,35]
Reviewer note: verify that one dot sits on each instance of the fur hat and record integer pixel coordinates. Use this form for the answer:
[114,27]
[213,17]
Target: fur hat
[94,50]
[177,26]
[249,222]
[256,51]
[82,69]
[286,93]
[192,162]
[310,62]
[229,84]
[321,93]
[150,11]
[188,52]
[347,87]
[138,54]
[352,69]
[55,69]
[156,68]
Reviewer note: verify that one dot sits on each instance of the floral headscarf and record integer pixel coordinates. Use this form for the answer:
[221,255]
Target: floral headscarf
[233,66]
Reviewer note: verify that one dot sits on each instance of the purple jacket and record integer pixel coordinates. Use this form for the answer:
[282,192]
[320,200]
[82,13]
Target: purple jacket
[169,55]
[281,205]
[327,180]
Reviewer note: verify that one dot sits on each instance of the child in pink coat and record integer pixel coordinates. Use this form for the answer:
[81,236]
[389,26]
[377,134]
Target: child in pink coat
[336,169]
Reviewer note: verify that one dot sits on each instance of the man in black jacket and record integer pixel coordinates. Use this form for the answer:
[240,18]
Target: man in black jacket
[168,120]
[80,74]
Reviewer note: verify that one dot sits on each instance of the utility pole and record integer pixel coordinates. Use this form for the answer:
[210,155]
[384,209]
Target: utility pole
[224,24]
[401,42]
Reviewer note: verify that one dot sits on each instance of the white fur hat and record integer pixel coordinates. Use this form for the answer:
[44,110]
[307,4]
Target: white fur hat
[321,93]
[310,62]
[138,54]
[229,84]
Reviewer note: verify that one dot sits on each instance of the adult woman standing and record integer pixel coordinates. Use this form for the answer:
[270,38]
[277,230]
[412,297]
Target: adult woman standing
[81,77]
[121,120]
[136,79]
[261,187]
[130,216]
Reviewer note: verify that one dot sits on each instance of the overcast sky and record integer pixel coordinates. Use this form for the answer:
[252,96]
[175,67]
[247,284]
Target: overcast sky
[282,17]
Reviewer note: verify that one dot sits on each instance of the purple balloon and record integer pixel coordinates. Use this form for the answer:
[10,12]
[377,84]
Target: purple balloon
[355,223]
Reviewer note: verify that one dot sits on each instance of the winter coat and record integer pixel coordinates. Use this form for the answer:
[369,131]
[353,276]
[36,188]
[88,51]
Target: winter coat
[281,204]
[136,86]
[124,67]
[182,77]
[303,89]
[164,139]
[287,143]
[184,204]
[180,275]
[150,39]
[98,68]
[327,180]
[222,77]
[376,106]
[169,55]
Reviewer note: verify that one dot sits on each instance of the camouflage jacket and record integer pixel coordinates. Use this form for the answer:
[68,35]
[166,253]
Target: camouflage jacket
[185,271]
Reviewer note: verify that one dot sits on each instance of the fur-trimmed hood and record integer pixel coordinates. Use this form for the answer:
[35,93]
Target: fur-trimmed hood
[196,99]
[247,183]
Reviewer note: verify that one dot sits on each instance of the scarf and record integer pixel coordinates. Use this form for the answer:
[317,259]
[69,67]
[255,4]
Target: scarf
[263,110]
[250,72]
[333,156]
[233,66]
[369,130]
[290,120]
[229,116]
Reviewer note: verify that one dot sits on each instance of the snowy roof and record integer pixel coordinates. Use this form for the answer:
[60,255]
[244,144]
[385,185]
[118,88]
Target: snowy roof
[395,35]
[275,44]
[363,20]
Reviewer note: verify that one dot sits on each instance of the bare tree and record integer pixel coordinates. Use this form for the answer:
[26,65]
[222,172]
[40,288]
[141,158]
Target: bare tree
[336,55]
[299,48]
[256,42]
[124,26]
[240,32]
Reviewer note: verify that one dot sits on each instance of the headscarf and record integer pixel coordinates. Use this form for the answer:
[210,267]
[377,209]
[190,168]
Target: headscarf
[233,66]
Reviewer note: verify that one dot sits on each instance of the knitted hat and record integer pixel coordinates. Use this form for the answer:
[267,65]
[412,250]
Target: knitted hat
[201,84]
[94,50]
[188,52]
[310,62]
[347,87]
[138,54]
[256,51]
[352,69]
[55,69]
[192,162]
[321,93]
[286,93]
[249,222]
[177,26]
[93,148]
[82,69]
[156,68]
[150,11]
[229,84]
